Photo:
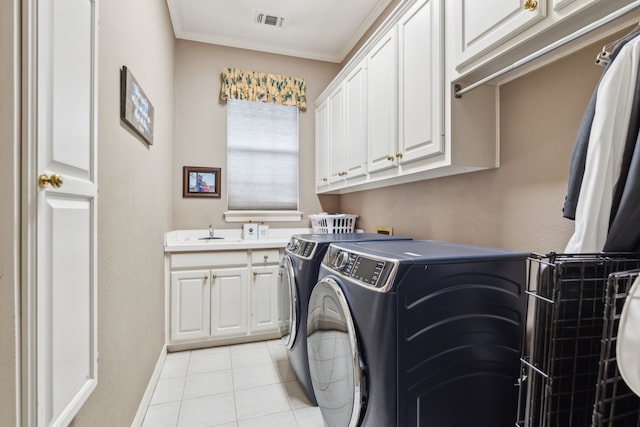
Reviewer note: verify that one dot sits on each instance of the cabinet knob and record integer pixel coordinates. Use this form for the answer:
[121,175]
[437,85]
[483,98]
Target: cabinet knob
[55,180]
[266,257]
[214,276]
[390,157]
[255,273]
[530,5]
[205,278]
[399,155]
[324,179]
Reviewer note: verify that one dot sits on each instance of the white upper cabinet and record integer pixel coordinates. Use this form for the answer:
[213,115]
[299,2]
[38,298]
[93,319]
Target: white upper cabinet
[420,83]
[382,89]
[403,113]
[483,25]
[491,35]
[355,88]
[337,149]
[322,146]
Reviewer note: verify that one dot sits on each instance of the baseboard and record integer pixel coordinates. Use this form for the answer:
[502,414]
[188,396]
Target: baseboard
[148,394]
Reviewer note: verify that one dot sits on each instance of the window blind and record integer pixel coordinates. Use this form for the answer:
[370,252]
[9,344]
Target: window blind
[262,156]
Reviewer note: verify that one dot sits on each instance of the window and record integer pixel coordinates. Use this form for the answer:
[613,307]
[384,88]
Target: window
[262,161]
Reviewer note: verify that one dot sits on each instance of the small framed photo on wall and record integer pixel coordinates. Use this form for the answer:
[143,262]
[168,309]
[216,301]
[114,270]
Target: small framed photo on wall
[200,182]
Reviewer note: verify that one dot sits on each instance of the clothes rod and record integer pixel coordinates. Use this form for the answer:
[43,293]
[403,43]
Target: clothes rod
[459,91]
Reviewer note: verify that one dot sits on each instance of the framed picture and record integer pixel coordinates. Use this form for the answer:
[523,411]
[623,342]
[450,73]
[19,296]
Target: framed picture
[135,108]
[200,182]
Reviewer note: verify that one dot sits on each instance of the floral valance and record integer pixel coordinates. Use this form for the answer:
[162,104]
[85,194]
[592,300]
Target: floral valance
[255,86]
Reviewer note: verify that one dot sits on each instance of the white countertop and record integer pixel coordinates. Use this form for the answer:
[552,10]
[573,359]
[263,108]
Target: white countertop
[230,239]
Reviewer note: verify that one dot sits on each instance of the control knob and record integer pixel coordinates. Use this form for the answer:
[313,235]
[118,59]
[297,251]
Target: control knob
[341,260]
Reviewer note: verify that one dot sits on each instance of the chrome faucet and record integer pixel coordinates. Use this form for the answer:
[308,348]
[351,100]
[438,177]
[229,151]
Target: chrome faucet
[211,230]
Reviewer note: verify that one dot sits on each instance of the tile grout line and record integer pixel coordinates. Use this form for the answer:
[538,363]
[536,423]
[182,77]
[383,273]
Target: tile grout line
[184,385]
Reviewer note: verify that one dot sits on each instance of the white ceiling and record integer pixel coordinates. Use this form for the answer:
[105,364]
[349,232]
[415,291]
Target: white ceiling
[325,30]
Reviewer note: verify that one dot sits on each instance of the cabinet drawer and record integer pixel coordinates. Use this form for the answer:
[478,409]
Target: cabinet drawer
[209,259]
[265,256]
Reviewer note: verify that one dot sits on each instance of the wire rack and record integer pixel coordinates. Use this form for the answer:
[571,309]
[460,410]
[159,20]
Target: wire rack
[562,361]
[615,404]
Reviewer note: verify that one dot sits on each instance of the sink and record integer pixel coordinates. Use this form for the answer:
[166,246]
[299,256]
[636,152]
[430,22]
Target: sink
[207,240]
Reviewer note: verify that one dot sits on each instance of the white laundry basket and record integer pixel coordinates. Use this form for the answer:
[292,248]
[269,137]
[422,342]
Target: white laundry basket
[333,223]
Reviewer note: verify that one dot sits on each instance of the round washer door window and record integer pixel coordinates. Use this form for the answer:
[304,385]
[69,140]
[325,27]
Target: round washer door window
[334,359]
[287,302]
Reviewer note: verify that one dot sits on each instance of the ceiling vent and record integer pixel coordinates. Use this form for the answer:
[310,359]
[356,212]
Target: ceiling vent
[267,19]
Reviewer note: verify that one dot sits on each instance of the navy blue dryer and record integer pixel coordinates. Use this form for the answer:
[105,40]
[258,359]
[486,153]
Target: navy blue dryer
[297,276]
[417,333]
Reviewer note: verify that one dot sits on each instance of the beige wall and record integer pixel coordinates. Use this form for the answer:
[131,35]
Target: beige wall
[201,118]
[517,206]
[9,214]
[135,209]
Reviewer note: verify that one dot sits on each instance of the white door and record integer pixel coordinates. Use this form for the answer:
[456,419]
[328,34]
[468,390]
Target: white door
[337,149]
[229,302]
[355,123]
[322,168]
[63,151]
[264,299]
[420,82]
[382,117]
[485,25]
[190,304]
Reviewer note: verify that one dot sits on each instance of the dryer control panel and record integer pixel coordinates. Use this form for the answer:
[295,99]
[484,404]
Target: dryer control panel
[364,269]
[302,248]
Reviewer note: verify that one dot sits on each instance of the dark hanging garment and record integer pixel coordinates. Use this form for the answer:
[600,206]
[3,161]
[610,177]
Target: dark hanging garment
[579,156]
[624,232]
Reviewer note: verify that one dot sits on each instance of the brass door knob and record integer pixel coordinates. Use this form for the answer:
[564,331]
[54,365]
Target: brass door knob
[55,180]
[390,157]
[266,257]
[255,273]
[205,278]
[399,155]
[530,5]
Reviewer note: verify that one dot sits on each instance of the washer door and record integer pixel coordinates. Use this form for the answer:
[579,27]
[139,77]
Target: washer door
[287,302]
[335,363]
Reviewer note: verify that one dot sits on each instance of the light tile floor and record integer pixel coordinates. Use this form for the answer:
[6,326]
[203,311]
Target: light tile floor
[242,385]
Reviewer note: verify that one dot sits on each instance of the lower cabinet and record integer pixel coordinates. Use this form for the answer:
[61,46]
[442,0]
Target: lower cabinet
[223,297]
[190,292]
[229,306]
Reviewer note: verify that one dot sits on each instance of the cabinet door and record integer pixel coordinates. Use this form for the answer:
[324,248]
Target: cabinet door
[355,89]
[382,103]
[229,302]
[322,171]
[264,303]
[420,82]
[337,151]
[484,25]
[190,304]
